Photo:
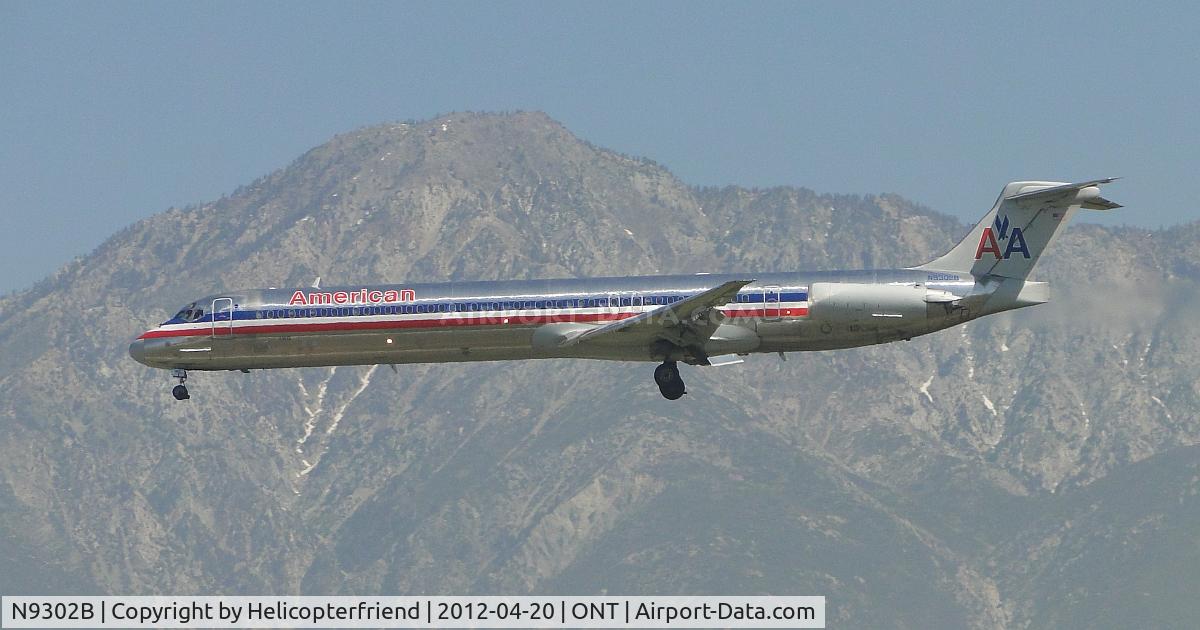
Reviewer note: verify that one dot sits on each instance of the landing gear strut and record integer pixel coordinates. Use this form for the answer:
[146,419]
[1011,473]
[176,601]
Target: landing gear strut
[180,391]
[666,376]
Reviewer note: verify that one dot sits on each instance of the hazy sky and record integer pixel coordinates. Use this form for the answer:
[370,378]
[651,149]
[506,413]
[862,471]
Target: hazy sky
[111,112]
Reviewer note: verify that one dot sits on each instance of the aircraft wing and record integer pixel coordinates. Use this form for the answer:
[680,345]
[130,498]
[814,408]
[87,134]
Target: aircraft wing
[664,317]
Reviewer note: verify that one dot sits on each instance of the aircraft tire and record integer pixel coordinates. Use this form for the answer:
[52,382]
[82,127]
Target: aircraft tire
[180,392]
[672,391]
[666,374]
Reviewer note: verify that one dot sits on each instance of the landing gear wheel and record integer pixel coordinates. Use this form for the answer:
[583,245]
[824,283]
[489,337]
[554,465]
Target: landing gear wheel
[670,385]
[180,391]
[666,373]
[672,391]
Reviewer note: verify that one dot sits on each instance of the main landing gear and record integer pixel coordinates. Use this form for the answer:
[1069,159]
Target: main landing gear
[180,391]
[666,376]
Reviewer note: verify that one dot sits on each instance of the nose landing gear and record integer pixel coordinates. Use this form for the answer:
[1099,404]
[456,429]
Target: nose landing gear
[670,385]
[180,391]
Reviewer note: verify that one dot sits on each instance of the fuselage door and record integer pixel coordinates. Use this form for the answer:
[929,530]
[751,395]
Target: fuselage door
[771,303]
[222,317]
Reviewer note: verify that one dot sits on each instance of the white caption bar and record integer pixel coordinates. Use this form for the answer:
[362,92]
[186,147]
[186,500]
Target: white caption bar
[412,612]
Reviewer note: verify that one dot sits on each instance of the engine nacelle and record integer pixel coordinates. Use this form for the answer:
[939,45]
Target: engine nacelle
[882,305]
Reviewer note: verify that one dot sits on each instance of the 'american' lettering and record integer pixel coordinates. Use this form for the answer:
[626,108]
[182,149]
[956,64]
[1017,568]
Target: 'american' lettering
[361,296]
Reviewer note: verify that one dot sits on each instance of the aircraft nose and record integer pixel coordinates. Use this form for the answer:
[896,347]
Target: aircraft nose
[137,350]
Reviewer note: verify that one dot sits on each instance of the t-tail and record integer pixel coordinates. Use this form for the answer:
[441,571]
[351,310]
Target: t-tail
[1010,239]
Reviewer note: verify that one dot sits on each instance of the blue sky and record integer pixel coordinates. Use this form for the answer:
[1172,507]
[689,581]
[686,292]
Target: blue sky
[111,112]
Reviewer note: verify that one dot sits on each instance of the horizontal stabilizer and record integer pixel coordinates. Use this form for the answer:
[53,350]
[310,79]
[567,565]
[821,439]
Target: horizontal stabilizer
[1087,194]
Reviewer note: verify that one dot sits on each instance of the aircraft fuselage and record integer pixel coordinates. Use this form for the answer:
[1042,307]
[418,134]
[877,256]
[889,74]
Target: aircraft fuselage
[495,321]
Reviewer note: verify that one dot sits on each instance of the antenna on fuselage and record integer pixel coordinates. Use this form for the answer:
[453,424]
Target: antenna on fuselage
[317,283]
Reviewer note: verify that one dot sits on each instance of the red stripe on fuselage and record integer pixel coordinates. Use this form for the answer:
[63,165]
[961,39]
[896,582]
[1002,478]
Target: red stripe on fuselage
[222,328]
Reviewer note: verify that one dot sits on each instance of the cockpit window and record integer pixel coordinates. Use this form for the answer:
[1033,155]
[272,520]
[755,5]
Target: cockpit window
[190,313]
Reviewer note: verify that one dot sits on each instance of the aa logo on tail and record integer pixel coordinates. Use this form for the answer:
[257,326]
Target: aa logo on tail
[988,243]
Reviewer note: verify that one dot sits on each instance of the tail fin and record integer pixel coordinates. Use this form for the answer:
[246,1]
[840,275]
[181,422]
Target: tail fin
[1010,238]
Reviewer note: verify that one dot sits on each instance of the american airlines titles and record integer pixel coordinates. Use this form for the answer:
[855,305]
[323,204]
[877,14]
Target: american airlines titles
[361,296]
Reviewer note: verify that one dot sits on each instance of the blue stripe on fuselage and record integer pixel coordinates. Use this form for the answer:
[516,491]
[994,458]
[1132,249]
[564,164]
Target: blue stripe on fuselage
[755,296]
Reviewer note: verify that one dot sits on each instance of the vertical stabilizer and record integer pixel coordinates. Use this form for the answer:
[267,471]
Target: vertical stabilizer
[1011,237]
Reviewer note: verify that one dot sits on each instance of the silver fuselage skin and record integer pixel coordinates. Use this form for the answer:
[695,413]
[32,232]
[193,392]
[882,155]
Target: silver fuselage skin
[508,320]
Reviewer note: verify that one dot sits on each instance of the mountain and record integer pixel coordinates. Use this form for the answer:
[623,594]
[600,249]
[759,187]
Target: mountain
[1032,469]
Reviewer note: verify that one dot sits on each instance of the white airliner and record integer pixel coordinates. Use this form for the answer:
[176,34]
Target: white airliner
[703,319]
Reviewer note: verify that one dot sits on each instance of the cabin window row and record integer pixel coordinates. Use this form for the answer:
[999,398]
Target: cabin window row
[464,307]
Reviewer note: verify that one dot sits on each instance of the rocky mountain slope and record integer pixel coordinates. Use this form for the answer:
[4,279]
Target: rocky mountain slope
[1033,469]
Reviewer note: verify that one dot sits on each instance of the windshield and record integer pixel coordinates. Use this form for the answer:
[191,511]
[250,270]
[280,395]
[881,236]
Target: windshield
[189,313]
